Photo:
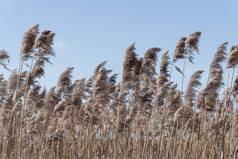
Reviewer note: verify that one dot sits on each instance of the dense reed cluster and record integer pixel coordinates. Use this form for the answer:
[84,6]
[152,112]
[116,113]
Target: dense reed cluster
[143,116]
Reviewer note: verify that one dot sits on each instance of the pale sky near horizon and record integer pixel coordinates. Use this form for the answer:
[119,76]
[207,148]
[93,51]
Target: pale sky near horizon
[89,32]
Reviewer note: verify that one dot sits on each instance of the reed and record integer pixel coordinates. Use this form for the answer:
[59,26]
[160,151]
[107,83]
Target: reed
[142,116]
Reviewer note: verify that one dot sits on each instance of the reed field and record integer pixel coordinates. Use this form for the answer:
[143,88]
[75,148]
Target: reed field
[143,115]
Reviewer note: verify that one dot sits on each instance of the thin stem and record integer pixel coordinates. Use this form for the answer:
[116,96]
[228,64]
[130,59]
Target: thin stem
[170,74]
[184,62]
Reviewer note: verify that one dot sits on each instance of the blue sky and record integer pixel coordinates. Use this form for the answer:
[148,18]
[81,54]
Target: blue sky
[88,32]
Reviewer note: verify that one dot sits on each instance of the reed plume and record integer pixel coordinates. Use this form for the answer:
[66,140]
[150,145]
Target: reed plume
[45,41]
[192,43]
[64,82]
[161,82]
[208,96]
[180,50]
[78,93]
[29,42]
[233,57]
[149,62]
[130,61]
[65,78]
[219,57]
[190,94]
[164,63]
[175,103]
[4,57]
[100,88]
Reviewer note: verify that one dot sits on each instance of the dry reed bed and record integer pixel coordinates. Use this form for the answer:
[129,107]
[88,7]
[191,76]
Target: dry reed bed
[143,116]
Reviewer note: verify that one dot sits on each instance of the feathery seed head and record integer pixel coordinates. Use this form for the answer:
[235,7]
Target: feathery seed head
[233,57]
[29,41]
[180,50]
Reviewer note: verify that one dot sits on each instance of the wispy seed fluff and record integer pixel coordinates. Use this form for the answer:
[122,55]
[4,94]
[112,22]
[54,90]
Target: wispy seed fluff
[129,64]
[193,40]
[193,84]
[180,50]
[29,41]
[4,57]
[149,62]
[192,43]
[219,57]
[233,57]
[65,78]
[162,80]
[164,63]
[44,42]
[207,99]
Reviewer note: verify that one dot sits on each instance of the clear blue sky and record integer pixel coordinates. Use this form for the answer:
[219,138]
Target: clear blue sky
[88,32]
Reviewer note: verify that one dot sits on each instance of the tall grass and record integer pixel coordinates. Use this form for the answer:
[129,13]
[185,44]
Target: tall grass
[143,116]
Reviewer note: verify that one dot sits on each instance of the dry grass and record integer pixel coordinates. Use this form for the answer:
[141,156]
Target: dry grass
[143,116]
